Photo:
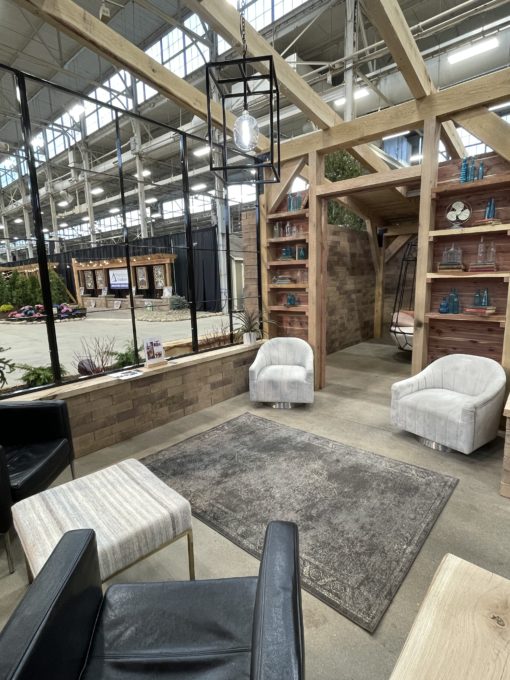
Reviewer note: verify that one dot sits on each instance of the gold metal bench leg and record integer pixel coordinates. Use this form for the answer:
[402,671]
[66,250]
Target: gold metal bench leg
[191,556]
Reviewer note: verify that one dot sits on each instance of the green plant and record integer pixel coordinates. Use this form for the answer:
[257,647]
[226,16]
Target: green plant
[6,366]
[249,321]
[4,290]
[37,376]
[34,292]
[59,292]
[6,308]
[341,165]
[178,302]
[127,357]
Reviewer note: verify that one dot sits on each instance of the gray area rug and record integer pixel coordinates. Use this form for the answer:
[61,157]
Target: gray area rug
[362,517]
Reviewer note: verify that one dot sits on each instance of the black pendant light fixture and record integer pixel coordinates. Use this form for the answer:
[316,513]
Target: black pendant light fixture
[244,87]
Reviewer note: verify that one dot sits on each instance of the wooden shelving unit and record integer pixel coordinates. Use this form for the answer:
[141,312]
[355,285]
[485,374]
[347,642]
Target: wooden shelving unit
[469,231]
[467,333]
[287,319]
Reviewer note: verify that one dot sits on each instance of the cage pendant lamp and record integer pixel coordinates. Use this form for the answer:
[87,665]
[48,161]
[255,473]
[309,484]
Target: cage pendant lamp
[243,88]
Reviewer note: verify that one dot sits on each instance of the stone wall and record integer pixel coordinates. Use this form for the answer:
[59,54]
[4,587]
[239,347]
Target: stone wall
[250,289]
[351,289]
[104,411]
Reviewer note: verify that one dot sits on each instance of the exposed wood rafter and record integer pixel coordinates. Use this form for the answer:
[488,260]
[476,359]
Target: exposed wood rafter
[374,181]
[388,19]
[488,127]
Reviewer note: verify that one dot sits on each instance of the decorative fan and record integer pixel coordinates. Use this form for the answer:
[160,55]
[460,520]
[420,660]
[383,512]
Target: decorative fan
[458,213]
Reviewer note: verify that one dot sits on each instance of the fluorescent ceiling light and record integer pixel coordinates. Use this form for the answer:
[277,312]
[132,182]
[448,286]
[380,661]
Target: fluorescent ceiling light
[497,107]
[145,173]
[358,94]
[97,191]
[46,231]
[476,48]
[76,111]
[156,214]
[18,220]
[416,157]
[152,199]
[114,211]
[63,204]
[63,224]
[397,134]
[85,218]
[201,151]
[198,187]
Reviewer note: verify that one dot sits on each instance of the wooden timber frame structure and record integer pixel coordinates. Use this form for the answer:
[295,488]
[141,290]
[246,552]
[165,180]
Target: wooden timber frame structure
[103,265]
[384,198]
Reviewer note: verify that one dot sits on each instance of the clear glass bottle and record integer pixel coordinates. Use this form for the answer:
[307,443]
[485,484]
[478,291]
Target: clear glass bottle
[482,252]
[491,253]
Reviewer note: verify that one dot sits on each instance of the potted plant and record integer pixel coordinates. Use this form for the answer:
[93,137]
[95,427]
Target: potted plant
[249,326]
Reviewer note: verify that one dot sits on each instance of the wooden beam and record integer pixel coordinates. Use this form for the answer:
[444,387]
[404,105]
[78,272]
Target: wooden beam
[488,127]
[374,247]
[373,181]
[395,246]
[389,21]
[87,30]
[424,253]
[276,192]
[224,19]
[443,105]
[317,269]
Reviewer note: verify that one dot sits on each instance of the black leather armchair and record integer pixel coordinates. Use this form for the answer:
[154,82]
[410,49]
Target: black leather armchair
[231,629]
[36,445]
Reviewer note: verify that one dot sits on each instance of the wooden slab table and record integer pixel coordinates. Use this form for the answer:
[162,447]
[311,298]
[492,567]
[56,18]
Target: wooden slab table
[462,631]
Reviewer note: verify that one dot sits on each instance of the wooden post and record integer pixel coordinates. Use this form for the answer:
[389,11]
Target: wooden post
[269,329]
[317,254]
[379,294]
[431,131]
[74,263]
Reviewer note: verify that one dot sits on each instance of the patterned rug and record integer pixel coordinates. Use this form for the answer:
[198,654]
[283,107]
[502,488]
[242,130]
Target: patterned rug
[362,517]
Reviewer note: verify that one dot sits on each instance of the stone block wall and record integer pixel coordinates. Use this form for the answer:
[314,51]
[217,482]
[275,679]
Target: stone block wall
[104,411]
[250,290]
[351,289]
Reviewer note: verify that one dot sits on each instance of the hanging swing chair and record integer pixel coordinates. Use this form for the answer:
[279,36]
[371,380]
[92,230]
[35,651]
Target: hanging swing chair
[402,319]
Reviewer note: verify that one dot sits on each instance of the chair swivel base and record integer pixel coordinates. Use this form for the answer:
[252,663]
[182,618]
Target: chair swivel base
[283,404]
[435,445]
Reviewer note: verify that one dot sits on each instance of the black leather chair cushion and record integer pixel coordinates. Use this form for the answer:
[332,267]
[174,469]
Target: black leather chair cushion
[47,637]
[185,630]
[33,467]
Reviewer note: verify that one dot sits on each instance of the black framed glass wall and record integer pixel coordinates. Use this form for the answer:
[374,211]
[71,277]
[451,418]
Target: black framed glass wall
[135,250]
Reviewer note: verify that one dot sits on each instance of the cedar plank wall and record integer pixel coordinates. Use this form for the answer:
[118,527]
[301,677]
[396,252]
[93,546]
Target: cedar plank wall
[482,339]
[351,295]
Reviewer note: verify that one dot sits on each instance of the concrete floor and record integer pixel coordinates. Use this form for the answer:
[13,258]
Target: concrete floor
[28,343]
[354,409]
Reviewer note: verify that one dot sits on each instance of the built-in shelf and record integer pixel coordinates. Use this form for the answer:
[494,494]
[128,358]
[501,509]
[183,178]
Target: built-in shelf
[492,318]
[290,239]
[292,214]
[466,231]
[287,263]
[468,275]
[285,286]
[283,308]
[456,187]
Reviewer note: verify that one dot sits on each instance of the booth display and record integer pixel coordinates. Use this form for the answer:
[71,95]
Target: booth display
[150,275]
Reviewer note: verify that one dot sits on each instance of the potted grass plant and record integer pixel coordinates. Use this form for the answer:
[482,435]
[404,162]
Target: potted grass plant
[249,326]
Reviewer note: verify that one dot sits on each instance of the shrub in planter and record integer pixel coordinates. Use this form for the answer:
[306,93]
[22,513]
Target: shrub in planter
[38,376]
[178,302]
[6,366]
[127,356]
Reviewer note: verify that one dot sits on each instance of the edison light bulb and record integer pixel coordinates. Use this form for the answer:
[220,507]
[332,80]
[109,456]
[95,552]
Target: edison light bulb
[246,132]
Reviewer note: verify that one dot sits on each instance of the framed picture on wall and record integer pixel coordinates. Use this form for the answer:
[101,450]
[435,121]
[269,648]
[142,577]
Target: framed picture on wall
[142,282]
[100,278]
[159,276]
[89,279]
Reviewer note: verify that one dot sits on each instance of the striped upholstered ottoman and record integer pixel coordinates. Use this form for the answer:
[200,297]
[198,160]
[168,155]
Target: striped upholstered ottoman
[132,512]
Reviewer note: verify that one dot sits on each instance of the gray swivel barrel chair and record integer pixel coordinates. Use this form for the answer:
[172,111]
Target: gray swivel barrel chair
[454,403]
[282,373]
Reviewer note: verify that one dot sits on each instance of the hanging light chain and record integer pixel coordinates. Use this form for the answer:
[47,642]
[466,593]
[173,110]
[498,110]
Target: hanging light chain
[243,28]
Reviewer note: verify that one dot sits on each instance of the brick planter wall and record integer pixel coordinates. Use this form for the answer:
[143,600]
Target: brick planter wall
[104,411]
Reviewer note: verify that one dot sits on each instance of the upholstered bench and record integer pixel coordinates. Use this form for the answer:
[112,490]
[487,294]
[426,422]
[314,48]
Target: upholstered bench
[132,512]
